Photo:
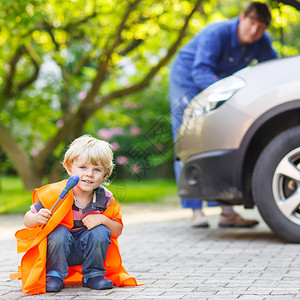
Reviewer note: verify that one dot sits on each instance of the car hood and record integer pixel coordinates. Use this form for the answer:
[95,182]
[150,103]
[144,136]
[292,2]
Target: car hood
[270,69]
[268,84]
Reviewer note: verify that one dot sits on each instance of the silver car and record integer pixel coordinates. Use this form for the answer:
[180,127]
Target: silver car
[240,144]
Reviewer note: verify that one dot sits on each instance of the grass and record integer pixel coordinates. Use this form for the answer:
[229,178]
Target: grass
[147,191]
[15,200]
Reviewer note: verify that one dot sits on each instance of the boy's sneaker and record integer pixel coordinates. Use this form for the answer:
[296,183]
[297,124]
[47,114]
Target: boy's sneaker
[53,284]
[98,283]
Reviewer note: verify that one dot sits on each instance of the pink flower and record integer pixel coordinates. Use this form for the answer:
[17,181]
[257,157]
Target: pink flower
[107,134]
[121,160]
[34,152]
[131,105]
[59,123]
[135,169]
[115,146]
[104,134]
[159,147]
[116,131]
[127,104]
[134,130]
[82,95]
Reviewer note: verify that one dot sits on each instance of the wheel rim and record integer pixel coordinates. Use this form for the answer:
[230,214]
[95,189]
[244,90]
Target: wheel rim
[286,186]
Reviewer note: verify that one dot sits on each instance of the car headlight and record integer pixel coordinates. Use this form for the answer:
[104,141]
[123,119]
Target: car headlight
[213,96]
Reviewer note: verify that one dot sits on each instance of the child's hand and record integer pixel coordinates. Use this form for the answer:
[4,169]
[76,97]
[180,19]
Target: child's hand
[93,220]
[43,216]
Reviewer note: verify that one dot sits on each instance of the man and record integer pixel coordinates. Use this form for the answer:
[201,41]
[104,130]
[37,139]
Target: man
[215,52]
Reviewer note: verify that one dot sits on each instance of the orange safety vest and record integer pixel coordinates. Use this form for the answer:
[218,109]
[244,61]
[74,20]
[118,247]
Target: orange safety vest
[33,241]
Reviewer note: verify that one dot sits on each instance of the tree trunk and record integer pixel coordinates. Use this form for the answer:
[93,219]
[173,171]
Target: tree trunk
[24,167]
[30,179]
[56,173]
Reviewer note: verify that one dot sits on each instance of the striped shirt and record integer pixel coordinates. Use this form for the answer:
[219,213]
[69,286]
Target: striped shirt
[101,199]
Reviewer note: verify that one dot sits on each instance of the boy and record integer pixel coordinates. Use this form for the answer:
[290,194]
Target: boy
[81,234]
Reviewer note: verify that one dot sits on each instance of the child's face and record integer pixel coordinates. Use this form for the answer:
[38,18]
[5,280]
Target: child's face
[91,176]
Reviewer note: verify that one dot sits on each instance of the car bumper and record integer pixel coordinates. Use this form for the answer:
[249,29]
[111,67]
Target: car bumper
[210,176]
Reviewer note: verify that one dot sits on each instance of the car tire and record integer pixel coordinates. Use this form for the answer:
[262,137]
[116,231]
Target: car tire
[276,184]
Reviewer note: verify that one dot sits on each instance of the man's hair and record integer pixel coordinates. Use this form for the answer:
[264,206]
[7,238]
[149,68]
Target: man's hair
[93,150]
[261,12]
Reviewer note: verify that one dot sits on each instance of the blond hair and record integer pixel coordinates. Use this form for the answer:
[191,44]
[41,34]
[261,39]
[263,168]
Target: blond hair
[93,150]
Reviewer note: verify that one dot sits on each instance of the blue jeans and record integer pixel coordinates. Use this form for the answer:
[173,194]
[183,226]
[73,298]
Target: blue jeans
[83,247]
[179,98]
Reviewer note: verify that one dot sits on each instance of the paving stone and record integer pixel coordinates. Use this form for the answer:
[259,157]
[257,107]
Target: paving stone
[179,262]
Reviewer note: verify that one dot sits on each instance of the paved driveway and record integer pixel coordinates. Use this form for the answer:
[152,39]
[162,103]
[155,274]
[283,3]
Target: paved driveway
[178,262]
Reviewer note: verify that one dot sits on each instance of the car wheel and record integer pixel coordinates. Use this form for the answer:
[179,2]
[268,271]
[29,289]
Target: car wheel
[276,184]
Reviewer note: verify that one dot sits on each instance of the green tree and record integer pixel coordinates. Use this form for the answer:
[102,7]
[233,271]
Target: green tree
[139,130]
[62,61]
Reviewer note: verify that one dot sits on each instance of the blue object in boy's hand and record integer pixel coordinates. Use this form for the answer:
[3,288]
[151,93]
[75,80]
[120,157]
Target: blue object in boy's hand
[73,180]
